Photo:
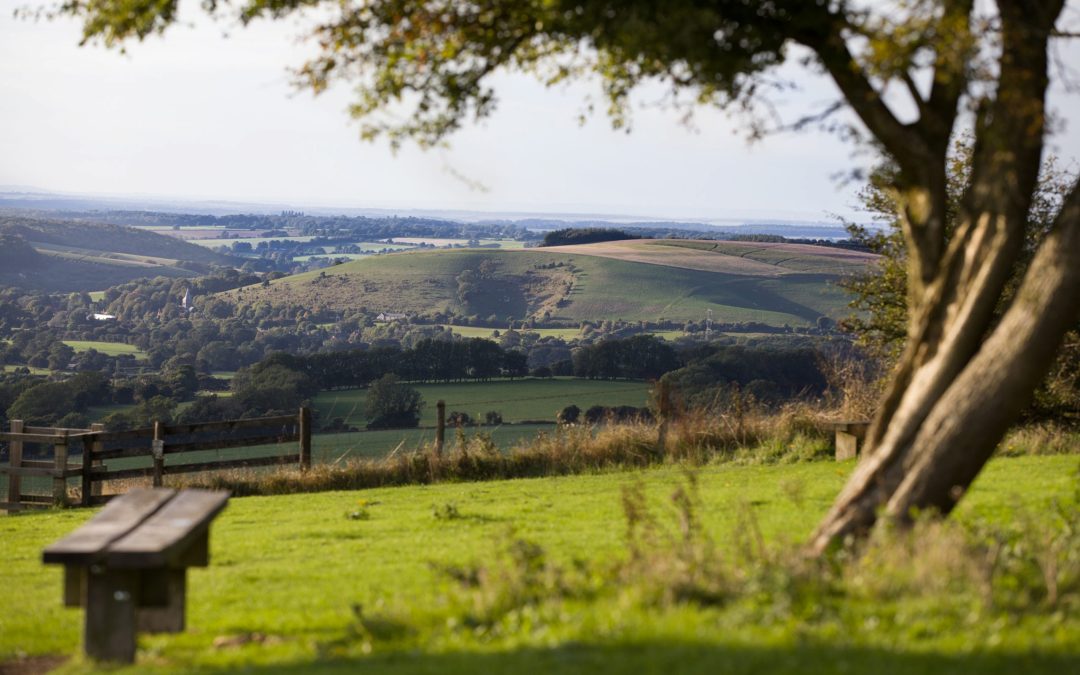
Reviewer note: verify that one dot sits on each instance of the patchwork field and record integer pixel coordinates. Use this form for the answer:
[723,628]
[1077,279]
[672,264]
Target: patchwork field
[678,281]
[377,582]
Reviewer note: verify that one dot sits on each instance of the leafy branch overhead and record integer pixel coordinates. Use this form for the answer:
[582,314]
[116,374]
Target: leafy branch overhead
[422,69]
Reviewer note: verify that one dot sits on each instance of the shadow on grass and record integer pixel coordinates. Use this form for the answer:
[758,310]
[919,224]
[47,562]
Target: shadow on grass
[678,659]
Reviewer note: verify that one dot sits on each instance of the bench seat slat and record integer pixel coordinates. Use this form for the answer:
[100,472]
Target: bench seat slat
[167,534]
[120,516]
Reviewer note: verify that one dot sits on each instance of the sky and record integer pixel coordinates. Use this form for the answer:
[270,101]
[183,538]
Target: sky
[197,115]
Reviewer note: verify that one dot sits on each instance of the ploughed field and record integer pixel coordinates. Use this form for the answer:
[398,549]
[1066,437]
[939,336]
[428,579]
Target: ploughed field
[774,284]
[523,576]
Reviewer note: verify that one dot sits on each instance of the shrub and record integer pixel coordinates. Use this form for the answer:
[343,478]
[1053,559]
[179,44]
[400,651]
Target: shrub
[391,404]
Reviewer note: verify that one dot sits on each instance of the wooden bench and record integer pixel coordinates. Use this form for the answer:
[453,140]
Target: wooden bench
[128,565]
[850,435]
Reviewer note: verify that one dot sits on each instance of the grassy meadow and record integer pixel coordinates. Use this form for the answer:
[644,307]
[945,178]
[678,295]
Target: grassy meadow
[517,400]
[107,348]
[647,281]
[545,575]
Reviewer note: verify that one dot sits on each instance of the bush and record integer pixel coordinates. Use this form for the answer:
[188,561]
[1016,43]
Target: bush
[493,418]
[569,415]
[391,404]
[456,418]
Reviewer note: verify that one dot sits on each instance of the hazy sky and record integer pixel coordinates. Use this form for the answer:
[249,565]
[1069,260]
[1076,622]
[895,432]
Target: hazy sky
[194,115]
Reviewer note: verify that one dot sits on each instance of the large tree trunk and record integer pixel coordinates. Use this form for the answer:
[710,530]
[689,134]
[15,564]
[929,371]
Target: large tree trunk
[961,382]
[967,421]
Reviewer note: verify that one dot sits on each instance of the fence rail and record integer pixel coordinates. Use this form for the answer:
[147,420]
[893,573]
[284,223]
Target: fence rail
[155,443]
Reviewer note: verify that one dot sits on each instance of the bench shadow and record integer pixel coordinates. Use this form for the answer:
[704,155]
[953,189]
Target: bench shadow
[673,658]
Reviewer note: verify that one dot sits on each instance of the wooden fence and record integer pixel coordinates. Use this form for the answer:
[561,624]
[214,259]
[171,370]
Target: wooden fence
[162,444]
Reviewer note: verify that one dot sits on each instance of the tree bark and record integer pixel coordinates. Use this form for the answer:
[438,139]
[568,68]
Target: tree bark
[965,424]
[933,431]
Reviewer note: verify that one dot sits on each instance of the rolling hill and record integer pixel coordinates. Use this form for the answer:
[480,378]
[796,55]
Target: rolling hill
[59,255]
[678,280]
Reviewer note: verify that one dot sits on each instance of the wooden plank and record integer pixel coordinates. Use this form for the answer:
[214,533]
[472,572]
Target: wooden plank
[222,465]
[164,536]
[15,451]
[117,453]
[88,543]
[31,438]
[55,430]
[38,471]
[39,464]
[221,444]
[38,500]
[227,425]
[120,435]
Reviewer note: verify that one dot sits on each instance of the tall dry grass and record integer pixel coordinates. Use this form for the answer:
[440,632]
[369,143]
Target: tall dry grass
[750,435]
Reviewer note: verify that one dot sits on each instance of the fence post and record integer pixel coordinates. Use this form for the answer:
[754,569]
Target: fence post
[158,450]
[305,437]
[60,458]
[87,477]
[440,428]
[96,446]
[15,449]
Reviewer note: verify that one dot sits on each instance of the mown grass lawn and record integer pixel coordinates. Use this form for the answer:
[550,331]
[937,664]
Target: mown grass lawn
[289,575]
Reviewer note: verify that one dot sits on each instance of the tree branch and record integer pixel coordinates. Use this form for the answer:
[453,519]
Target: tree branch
[901,141]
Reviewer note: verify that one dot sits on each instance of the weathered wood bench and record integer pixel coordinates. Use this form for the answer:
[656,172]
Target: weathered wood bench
[128,565]
[850,434]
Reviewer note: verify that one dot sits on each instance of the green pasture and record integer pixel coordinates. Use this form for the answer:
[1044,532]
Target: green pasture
[345,582]
[482,332]
[330,448]
[517,400]
[419,282]
[108,348]
[34,370]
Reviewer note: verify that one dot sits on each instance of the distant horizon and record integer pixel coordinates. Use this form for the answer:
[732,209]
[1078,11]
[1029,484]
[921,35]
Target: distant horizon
[460,212]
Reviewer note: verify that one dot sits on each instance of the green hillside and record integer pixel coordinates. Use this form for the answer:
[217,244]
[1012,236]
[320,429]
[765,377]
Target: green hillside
[632,282]
[81,256]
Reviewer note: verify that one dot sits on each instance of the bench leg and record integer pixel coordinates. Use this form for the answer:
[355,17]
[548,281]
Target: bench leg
[109,632]
[847,446]
[74,585]
[162,599]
